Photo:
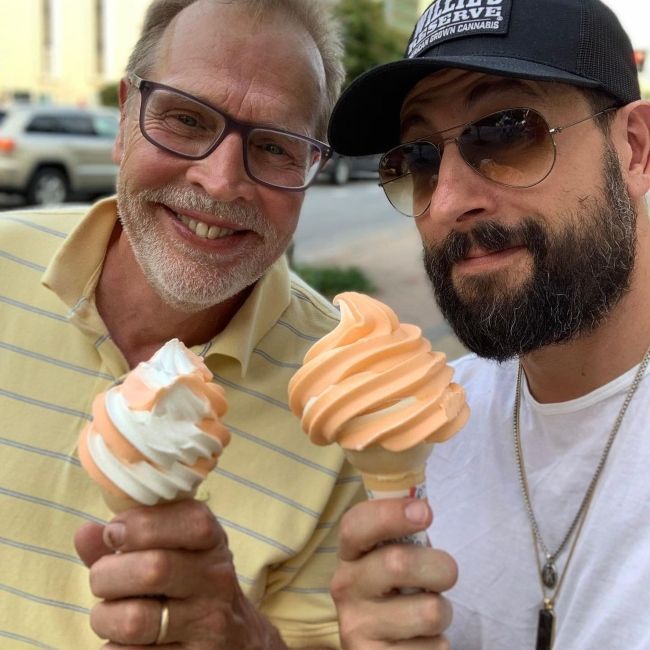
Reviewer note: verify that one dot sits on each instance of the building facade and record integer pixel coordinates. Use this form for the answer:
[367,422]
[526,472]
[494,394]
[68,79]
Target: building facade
[65,50]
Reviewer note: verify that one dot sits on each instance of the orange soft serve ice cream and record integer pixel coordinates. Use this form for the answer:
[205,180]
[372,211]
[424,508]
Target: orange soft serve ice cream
[155,437]
[374,386]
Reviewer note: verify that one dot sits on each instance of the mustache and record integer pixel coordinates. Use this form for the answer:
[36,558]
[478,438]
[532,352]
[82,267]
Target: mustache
[492,236]
[242,215]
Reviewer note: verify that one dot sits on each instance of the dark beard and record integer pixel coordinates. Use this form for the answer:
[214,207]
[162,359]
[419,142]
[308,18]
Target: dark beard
[578,275]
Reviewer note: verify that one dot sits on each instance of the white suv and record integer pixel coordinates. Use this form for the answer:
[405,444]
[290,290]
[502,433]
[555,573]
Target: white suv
[50,153]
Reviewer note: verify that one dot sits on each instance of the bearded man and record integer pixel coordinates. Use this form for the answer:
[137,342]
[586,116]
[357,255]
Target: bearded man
[521,148]
[223,110]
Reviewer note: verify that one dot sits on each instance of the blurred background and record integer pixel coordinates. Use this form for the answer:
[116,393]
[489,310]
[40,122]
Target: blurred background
[61,65]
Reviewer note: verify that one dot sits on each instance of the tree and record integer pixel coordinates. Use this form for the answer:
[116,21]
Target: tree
[368,39]
[108,95]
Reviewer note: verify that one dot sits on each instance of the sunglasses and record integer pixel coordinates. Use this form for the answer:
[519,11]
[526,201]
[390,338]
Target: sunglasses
[513,147]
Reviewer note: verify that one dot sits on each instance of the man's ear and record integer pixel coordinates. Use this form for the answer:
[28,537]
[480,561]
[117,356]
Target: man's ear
[118,146]
[636,161]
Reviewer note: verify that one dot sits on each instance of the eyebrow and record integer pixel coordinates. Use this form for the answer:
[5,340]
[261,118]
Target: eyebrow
[497,87]
[480,91]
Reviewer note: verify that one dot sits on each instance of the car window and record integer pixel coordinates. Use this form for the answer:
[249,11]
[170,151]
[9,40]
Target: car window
[44,124]
[106,126]
[77,124]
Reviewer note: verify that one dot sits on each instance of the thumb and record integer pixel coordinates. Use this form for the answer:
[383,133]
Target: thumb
[89,543]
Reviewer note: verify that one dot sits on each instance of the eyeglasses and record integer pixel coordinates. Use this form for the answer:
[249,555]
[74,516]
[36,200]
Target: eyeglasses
[513,147]
[190,128]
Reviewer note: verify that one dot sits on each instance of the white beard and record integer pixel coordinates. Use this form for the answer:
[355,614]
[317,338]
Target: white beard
[187,278]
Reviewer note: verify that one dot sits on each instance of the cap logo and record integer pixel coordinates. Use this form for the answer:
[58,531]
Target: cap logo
[445,20]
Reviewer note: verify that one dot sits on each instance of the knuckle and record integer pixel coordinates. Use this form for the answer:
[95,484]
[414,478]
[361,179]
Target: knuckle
[155,569]
[203,524]
[436,611]
[135,620]
[346,529]
[340,585]
[431,611]
[396,560]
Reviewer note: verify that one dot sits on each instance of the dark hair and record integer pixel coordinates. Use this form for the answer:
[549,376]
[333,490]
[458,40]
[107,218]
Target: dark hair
[599,100]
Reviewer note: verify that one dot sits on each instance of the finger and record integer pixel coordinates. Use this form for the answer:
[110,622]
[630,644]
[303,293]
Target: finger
[137,622]
[399,618]
[371,522]
[89,543]
[176,574]
[402,566]
[133,621]
[187,524]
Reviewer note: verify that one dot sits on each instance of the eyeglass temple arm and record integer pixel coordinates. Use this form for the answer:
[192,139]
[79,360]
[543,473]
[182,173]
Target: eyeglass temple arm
[134,80]
[559,129]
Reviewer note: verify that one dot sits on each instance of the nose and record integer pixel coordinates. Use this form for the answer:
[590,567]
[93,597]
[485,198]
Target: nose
[459,194]
[222,174]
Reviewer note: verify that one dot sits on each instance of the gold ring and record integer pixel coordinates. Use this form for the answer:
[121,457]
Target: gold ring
[164,622]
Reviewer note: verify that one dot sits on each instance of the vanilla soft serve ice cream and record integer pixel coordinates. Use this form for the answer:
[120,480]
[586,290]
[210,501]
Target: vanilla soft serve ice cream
[154,437]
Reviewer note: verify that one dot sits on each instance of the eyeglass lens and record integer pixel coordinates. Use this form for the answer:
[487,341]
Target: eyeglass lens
[189,128]
[512,147]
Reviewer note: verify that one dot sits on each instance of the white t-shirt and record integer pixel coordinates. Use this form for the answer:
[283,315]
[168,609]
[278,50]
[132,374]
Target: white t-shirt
[480,518]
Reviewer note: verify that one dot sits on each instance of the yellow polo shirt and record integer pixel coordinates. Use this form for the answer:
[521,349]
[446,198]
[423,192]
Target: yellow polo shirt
[278,497]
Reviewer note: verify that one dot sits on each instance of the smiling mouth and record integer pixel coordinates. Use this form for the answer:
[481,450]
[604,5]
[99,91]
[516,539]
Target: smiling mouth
[203,230]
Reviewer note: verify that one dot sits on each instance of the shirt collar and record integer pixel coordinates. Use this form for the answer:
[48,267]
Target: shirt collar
[74,272]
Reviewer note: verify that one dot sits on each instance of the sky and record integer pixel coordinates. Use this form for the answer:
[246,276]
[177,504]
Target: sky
[635,18]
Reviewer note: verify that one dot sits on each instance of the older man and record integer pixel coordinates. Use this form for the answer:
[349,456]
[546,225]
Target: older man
[517,141]
[223,108]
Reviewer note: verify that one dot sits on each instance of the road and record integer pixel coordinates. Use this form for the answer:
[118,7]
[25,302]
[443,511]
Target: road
[354,225]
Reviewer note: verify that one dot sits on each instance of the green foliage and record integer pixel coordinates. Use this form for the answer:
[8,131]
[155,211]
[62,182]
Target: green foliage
[368,39]
[330,280]
[109,95]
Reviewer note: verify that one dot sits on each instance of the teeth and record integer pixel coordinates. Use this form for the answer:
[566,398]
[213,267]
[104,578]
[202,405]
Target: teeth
[202,229]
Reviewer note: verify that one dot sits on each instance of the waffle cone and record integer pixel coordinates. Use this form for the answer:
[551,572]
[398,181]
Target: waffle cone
[393,483]
[390,471]
[117,503]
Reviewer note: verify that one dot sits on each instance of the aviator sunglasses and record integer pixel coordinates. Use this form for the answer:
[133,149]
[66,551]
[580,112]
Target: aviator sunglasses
[513,147]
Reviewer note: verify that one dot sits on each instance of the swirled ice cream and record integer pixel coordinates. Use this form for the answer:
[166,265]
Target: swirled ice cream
[374,386]
[155,437]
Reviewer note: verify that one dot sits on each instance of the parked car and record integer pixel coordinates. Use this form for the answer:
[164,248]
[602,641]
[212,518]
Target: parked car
[340,169]
[51,153]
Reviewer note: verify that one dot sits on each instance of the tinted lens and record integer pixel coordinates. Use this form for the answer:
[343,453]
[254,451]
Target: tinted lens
[510,147]
[181,124]
[409,174]
[282,159]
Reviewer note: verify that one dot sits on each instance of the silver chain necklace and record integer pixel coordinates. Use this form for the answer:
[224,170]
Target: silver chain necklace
[548,573]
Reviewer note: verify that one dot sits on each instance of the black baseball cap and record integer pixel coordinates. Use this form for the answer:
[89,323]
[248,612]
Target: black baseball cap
[578,42]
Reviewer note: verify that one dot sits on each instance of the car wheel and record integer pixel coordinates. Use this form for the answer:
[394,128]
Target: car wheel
[341,172]
[47,187]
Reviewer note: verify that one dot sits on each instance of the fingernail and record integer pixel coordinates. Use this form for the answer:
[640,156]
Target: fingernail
[114,535]
[416,512]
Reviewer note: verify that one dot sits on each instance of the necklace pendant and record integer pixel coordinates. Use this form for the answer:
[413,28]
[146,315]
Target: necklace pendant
[549,574]
[545,625]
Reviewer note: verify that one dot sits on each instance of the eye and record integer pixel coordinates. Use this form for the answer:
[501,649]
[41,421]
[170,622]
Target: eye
[274,149]
[187,120]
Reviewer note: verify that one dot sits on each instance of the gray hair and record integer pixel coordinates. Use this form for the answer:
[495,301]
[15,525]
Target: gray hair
[312,15]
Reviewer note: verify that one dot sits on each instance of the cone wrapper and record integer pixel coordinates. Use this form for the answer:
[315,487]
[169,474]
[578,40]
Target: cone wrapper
[393,475]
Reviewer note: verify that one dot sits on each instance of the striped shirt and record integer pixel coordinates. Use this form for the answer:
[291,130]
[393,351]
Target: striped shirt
[278,497]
